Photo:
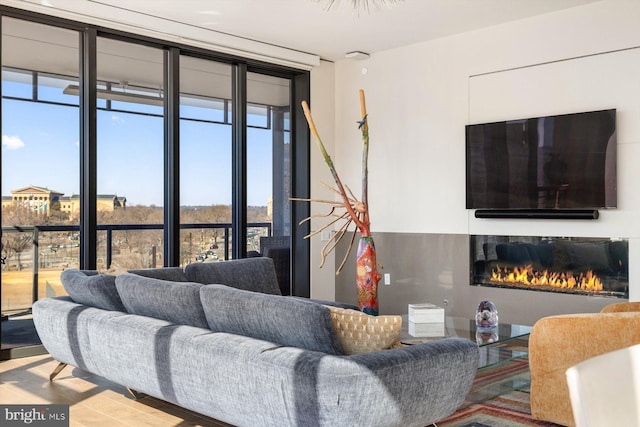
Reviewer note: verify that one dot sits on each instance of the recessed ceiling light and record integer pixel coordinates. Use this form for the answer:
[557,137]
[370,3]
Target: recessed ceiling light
[356,54]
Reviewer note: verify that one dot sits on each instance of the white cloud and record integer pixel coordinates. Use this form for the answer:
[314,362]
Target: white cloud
[12,142]
[117,118]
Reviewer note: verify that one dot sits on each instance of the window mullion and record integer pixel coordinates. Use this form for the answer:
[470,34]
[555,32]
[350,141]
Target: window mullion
[172,157]
[88,150]
[239,160]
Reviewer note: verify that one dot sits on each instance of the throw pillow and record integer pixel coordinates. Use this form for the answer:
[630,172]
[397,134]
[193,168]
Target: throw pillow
[92,289]
[173,274]
[359,332]
[594,256]
[251,274]
[282,320]
[176,302]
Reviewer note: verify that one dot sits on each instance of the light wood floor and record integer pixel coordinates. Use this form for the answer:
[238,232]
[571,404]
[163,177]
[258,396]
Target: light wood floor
[93,401]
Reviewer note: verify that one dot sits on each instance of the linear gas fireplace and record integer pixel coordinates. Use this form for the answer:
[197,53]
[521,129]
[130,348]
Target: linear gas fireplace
[586,266]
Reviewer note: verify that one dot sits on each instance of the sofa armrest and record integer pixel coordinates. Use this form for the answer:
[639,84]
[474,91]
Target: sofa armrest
[429,381]
[409,386]
[559,342]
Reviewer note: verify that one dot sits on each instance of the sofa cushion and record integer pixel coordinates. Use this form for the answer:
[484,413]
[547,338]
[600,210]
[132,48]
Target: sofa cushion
[92,289]
[517,253]
[589,255]
[619,256]
[359,332]
[332,303]
[279,319]
[251,274]
[177,302]
[545,253]
[173,274]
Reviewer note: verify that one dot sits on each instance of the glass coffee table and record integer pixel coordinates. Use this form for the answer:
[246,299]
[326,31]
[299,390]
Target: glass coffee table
[503,352]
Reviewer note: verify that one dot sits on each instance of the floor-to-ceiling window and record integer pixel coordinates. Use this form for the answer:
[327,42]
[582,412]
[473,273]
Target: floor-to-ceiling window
[205,160]
[40,170]
[90,156]
[269,170]
[129,166]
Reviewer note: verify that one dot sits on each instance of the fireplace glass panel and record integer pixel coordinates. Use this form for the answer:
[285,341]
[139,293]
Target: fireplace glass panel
[588,266]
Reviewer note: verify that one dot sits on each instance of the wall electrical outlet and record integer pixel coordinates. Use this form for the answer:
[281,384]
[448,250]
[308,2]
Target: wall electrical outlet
[325,235]
[387,278]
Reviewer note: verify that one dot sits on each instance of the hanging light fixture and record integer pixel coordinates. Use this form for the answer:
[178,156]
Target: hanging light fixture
[360,5]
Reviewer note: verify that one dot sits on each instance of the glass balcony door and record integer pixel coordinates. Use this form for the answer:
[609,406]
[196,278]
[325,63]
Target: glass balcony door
[269,172]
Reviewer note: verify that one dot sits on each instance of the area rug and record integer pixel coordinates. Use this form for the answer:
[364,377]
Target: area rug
[18,333]
[499,397]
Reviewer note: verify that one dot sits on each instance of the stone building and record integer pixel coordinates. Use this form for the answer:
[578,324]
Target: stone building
[42,200]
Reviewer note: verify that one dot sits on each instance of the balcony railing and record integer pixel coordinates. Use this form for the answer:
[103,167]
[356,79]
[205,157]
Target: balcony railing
[42,252]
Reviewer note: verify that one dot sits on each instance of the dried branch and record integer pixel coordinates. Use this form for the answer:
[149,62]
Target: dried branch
[333,209]
[364,129]
[314,233]
[335,239]
[344,260]
[332,168]
[356,211]
[332,202]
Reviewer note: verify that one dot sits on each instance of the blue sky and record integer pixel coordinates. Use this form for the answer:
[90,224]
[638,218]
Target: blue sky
[40,146]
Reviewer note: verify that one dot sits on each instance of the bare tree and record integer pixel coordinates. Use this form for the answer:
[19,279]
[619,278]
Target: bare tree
[14,243]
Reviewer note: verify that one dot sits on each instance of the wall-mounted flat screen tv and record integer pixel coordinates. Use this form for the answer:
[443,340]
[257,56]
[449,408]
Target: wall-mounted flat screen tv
[556,162]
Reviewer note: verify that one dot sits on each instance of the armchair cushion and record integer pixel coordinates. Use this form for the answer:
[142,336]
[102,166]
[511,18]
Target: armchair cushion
[558,342]
[621,307]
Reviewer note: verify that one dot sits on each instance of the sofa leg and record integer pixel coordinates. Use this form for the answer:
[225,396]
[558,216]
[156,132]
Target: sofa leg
[57,370]
[135,395]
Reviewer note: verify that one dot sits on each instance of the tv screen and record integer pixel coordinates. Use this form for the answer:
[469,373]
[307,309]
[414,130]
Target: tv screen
[556,162]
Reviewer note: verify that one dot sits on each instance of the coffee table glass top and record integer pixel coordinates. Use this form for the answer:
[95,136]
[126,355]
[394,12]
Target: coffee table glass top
[498,345]
[466,328]
[503,344]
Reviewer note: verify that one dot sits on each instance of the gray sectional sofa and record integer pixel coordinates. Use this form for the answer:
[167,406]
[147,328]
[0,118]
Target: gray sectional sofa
[218,339]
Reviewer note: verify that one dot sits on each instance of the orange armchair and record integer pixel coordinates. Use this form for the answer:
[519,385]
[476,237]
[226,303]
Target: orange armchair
[559,342]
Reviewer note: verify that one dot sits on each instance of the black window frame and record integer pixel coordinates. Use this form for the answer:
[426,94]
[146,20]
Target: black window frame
[300,139]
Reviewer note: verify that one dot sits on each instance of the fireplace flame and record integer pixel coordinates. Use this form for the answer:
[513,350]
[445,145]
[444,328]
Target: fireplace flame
[529,277]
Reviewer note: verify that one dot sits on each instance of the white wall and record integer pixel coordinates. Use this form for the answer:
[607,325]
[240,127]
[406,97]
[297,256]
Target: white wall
[322,109]
[420,97]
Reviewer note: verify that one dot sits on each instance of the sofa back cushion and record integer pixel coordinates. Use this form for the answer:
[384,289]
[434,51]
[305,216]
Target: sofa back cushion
[92,289]
[173,274]
[176,302]
[279,319]
[251,274]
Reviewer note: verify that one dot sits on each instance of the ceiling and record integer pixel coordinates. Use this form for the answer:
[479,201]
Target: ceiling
[308,25]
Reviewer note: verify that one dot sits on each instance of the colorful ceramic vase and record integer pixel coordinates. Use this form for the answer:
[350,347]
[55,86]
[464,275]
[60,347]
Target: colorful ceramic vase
[367,276]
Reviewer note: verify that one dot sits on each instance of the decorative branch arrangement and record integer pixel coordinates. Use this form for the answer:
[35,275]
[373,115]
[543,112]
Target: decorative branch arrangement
[360,4]
[355,211]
